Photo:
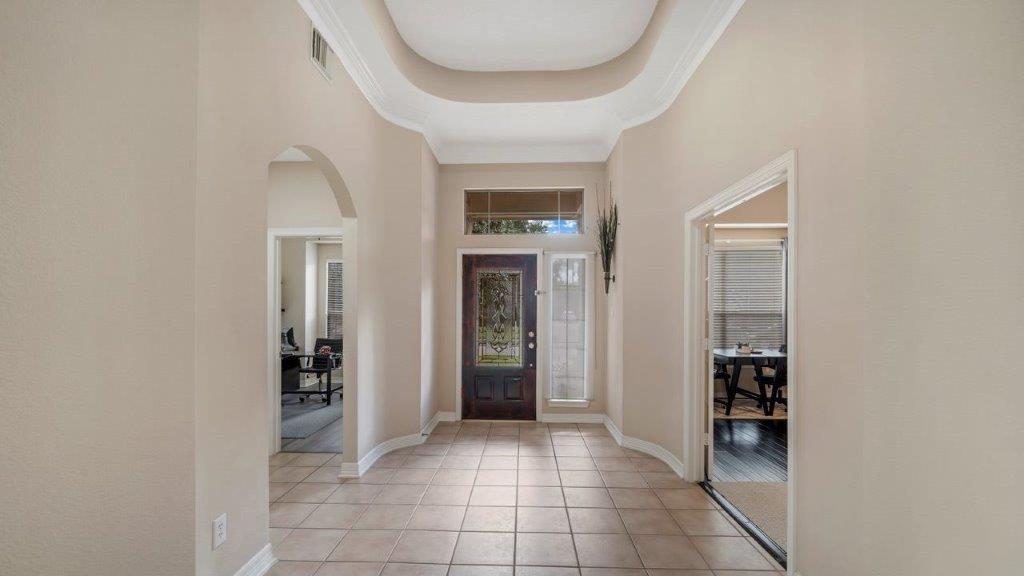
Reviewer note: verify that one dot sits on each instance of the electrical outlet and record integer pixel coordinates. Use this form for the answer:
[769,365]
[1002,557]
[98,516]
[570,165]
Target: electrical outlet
[220,530]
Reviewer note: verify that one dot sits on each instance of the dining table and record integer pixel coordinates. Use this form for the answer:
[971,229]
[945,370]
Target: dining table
[737,360]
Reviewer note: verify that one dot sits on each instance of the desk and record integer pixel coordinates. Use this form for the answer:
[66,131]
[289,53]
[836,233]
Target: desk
[736,359]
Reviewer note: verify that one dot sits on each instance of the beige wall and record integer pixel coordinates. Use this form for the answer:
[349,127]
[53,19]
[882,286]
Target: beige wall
[454,180]
[293,287]
[97,287]
[300,197]
[429,385]
[889,476]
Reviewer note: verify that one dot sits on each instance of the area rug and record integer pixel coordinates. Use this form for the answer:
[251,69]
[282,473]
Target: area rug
[303,419]
[764,503]
[746,409]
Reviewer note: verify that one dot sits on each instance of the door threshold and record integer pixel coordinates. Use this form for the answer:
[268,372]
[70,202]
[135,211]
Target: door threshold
[756,533]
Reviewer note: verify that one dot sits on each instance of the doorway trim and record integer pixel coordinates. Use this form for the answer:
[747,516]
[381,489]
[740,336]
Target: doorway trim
[541,380]
[697,407]
[274,236]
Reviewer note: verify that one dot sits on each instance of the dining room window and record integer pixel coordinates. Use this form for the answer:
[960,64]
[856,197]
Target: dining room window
[335,298]
[749,302]
[555,211]
[571,327]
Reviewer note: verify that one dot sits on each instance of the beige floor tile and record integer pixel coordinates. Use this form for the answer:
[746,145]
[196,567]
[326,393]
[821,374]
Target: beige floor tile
[640,521]
[293,568]
[493,496]
[440,439]
[278,534]
[576,463]
[596,521]
[547,571]
[498,463]
[491,548]
[496,478]
[466,450]
[461,570]
[366,546]
[447,495]
[282,458]
[664,572]
[432,450]
[425,547]
[545,550]
[584,497]
[602,451]
[541,496]
[399,569]
[417,461]
[539,478]
[489,519]
[742,573]
[673,552]
[606,551]
[288,514]
[651,465]
[453,477]
[385,517]
[623,480]
[355,493]
[536,450]
[324,474]
[561,440]
[311,459]
[461,462]
[664,480]
[685,498]
[291,473]
[501,450]
[378,476]
[350,569]
[391,461]
[312,492]
[278,489]
[412,476]
[336,460]
[334,516]
[311,545]
[541,520]
[627,572]
[704,523]
[401,494]
[730,553]
[578,451]
[537,463]
[582,478]
[615,464]
[634,498]
[437,518]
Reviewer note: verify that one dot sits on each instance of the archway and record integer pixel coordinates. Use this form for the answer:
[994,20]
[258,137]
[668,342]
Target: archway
[309,204]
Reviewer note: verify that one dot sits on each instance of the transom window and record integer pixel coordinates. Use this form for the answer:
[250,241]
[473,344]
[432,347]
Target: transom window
[555,211]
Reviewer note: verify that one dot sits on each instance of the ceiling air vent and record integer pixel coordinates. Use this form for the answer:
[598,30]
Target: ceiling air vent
[319,51]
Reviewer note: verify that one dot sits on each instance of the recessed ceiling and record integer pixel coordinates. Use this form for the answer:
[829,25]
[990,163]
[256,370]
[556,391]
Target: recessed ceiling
[520,35]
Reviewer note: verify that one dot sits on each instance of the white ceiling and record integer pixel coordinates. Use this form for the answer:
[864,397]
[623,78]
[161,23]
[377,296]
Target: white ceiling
[504,35]
[477,133]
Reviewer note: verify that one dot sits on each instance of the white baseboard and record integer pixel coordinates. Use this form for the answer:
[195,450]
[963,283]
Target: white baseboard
[646,447]
[569,418]
[357,469]
[259,564]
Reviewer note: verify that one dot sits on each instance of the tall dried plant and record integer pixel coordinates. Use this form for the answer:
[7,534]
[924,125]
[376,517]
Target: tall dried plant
[607,229]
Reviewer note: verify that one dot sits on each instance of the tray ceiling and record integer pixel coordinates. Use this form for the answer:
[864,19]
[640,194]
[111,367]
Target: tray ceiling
[499,35]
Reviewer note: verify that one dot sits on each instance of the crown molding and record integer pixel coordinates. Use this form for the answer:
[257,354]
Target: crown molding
[520,132]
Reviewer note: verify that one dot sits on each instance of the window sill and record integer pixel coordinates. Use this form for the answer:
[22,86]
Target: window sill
[569,403]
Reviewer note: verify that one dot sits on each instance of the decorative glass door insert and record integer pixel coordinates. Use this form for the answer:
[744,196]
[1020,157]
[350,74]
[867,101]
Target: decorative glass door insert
[499,330]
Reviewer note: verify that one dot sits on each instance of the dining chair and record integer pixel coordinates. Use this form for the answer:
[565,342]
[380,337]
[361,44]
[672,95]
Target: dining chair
[775,379]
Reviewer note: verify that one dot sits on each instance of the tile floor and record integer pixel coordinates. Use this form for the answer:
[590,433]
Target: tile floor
[502,499]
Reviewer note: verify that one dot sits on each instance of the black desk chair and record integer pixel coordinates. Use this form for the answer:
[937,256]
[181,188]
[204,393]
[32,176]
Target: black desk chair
[721,373]
[321,364]
[776,379]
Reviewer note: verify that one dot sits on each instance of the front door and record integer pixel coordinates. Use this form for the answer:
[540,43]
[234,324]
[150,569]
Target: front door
[499,336]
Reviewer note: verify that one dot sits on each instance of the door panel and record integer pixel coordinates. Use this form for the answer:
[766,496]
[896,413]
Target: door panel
[499,328]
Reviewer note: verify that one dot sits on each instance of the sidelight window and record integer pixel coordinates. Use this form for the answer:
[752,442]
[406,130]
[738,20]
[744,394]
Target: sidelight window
[571,327]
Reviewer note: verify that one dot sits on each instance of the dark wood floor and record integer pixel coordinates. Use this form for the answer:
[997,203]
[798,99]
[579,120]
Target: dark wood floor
[750,451]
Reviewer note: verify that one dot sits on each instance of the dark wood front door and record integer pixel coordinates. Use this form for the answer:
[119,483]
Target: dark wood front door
[499,336]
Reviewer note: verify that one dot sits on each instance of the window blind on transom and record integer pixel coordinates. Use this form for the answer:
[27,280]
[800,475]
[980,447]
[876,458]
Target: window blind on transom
[749,296]
[335,299]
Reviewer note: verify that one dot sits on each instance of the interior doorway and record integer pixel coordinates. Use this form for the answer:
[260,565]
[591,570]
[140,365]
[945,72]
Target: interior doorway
[740,303]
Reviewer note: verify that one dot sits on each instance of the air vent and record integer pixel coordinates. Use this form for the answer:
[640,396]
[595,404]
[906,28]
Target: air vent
[319,51]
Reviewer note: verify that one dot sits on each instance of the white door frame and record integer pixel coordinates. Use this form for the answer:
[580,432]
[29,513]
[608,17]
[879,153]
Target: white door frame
[697,407]
[274,236]
[540,383]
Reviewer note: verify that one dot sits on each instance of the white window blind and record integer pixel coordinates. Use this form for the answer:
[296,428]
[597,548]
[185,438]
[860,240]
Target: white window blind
[570,328]
[335,299]
[749,301]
